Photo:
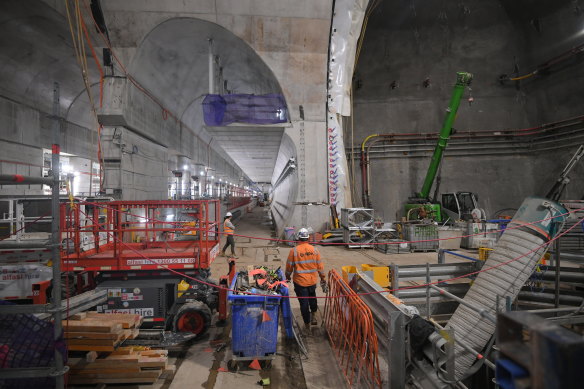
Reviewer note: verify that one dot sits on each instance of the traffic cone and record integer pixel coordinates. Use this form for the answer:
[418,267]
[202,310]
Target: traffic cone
[266,317]
[255,364]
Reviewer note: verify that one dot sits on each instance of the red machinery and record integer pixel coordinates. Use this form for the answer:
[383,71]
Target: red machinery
[131,247]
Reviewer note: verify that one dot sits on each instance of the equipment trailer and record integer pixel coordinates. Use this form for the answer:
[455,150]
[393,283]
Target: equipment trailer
[152,257]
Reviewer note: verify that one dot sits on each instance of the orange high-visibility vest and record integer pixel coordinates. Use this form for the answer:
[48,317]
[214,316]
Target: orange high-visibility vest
[304,261]
[228,230]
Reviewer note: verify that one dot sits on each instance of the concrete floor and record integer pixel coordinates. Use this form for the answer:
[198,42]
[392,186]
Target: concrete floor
[200,365]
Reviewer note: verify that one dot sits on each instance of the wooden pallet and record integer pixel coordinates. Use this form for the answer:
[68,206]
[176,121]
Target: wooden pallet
[92,331]
[125,365]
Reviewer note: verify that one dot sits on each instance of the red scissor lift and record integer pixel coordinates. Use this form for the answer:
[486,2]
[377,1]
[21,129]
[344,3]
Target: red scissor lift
[130,248]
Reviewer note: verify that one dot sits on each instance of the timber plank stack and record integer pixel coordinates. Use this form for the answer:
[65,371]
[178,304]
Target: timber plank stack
[127,365]
[92,331]
[107,362]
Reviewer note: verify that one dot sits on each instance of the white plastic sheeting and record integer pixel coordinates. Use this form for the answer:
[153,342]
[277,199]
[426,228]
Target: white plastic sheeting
[347,22]
[346,28]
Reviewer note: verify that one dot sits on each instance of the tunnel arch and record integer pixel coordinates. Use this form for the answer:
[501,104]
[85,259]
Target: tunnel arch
[172,62]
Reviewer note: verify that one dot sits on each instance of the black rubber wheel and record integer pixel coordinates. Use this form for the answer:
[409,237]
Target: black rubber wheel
[193,317]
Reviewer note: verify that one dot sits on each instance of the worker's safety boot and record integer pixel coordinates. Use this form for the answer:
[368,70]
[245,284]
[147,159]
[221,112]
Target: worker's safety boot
[313,320]
[222,254]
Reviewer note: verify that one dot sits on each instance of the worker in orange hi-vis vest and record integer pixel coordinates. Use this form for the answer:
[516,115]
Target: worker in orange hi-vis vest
[304,261]
[228,229]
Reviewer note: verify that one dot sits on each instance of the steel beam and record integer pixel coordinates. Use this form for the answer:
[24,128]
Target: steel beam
[80,303]
[56,237]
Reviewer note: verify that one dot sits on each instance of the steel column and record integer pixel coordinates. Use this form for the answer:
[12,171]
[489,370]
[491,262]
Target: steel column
[55,236]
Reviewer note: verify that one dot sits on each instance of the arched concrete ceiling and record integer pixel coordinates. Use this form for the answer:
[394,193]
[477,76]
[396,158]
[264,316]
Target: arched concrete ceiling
[37,51]
[172,63]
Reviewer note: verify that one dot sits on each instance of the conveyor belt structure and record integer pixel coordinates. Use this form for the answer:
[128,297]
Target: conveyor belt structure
[527,242]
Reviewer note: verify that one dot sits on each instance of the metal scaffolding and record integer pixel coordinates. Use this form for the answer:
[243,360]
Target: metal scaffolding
[57,369]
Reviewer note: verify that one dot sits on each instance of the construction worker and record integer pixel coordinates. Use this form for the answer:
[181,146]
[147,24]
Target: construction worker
[304,261]
[228,229]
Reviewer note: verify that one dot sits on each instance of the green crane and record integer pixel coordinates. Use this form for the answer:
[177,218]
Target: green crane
[463,79]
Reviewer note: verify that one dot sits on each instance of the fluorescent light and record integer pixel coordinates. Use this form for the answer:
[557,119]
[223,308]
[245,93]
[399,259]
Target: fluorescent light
[185,167]
[202,172]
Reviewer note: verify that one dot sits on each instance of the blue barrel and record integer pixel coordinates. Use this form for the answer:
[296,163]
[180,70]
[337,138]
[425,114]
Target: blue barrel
[251,335]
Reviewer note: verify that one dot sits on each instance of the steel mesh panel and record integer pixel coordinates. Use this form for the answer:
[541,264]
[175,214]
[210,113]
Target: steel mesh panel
[26,341]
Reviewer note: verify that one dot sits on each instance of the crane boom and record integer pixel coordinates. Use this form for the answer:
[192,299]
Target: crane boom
[463,79]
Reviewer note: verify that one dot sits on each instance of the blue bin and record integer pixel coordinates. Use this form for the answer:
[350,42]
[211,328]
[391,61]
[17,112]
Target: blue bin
[250,336]
[286,312]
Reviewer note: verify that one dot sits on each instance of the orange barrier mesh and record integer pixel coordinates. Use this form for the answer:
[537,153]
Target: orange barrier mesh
[349,324]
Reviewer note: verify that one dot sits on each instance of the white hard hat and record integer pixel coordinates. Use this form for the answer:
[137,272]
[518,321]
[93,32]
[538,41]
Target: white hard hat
[228,214]
[303,234]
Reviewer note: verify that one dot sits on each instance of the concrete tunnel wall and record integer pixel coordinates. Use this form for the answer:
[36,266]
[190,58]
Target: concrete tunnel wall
[287,191]
[37,52]
[403,47]
[291,38]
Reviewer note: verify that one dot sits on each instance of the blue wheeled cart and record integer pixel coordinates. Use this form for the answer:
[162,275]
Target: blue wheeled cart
[254,333]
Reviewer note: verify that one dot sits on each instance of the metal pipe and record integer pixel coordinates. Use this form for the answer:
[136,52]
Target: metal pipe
[7,244]
[428,280]
[17,179]
[557,277]
[565,276]
[364,153]
[553,310]
[440,270]
[454,145]
[468,153]
[464,146]
[211,68]
[364,181]
[413,293]
[572,256]
[55,238]
[457,254]
[364,161]
[483,312]
[546,128]
[549,298]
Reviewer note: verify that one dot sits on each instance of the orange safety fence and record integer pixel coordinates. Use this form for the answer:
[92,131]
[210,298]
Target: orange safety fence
[349,324]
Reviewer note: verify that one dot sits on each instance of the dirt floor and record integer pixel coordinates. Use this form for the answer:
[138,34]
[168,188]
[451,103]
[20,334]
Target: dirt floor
[204,362]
